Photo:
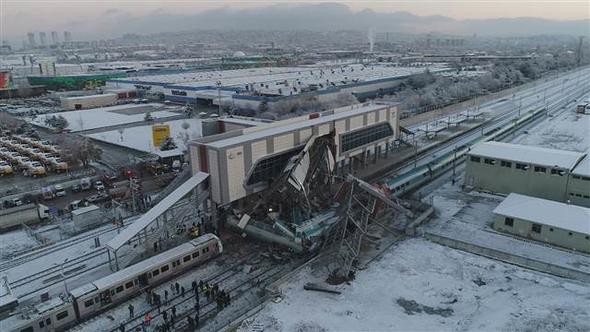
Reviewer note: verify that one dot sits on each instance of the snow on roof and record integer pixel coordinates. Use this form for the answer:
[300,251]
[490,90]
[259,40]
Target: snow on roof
[560,215]
[94,118]
[583,168]
[104,95]
[140,137]
[277,128]
[527,154]
[146,219]
[152,262]
[85,209]
[270,79]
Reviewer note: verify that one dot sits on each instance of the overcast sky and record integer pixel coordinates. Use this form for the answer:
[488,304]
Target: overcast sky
[87,18]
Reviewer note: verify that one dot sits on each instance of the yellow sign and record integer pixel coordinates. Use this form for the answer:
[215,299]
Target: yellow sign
[159,134]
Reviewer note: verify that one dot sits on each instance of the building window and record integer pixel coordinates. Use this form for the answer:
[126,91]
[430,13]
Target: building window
[268,168]
[178,92]
[540,169]
[475,159]
[367,135]
[62,315]
[555,171]
[506,164]
[536,228]
[489,161]
[523,167]
[509,221]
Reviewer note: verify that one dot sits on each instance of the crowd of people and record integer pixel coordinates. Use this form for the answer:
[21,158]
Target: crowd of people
[212,292]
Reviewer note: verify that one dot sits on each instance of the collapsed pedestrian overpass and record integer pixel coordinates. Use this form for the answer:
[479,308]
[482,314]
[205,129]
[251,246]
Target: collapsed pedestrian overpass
[159,224]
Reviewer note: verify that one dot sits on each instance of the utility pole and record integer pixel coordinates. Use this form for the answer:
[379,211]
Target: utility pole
[218,97]
[454,159]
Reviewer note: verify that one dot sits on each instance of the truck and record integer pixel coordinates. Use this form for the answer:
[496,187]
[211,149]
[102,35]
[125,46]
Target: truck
[28,214]
[47,193]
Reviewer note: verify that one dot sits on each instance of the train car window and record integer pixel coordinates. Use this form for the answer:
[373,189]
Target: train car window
[489,161]
[129,285]
[112,292]
[155,272]
[195,254]
[28,329]
[88,303]
[475,159]
[119,289]
[96,299]
[41,324]
[165,268]
[136,281]
[48,321]
[507,164]
[186,258]
[62,315]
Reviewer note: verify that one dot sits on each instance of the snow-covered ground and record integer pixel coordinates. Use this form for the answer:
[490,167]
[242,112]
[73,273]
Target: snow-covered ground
[12,243]
[140,137]
[107,116]
[421,286]
[568,131]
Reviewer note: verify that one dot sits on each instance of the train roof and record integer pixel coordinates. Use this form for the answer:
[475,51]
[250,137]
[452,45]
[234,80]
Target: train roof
[143,266]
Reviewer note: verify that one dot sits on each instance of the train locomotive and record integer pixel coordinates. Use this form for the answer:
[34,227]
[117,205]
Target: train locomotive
[102,294]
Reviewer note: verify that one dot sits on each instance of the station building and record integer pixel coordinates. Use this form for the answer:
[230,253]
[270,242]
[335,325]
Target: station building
[540,172]
[556,223]
[243,162]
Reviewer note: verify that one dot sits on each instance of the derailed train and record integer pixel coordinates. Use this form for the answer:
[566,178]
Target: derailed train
[95,297]
[403,184]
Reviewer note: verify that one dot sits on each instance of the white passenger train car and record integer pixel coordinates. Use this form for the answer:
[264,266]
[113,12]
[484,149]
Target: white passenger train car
[104,293]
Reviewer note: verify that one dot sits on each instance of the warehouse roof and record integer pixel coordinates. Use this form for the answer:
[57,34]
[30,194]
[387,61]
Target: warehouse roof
[559,215]
[276,128]
[145,220]
[528,154]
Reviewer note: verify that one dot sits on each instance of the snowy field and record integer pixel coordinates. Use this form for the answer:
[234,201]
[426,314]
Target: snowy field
[421,286]
[140,137]
[107,116]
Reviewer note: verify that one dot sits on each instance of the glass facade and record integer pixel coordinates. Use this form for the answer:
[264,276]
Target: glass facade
[367,135]
[270,167]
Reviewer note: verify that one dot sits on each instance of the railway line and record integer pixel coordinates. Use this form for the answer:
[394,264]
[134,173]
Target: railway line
[239,283]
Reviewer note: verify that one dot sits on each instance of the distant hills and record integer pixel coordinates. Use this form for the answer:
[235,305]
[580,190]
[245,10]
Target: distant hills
[331,17]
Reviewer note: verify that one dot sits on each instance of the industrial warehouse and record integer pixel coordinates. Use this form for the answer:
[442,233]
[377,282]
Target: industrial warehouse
[249,88]
[561,224]
[540,172]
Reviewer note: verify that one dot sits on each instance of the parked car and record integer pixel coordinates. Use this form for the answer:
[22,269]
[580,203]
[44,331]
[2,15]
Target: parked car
[59,190]
[98,185]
